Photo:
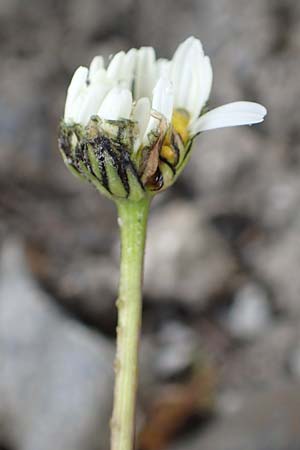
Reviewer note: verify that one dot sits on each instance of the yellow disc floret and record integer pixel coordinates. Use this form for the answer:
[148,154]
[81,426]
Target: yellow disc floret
[176,138]
[180,121]
[168,154]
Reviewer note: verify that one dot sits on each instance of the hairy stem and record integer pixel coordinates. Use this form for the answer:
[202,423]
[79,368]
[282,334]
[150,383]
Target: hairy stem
[133,224]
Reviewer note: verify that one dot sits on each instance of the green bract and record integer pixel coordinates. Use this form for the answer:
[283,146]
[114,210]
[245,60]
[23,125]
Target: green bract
[103,153]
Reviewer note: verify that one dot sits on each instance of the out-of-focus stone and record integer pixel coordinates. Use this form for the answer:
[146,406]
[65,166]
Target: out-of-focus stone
[262,363]
[176,346]
[56,375]
[250,314]
[90,288]
[277,261]
[293,361]
[269,421]
[99,17]
[185,259]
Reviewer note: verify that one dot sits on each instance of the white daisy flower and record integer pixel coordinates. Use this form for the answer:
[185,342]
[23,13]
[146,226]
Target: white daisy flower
[184,82]
[164,99]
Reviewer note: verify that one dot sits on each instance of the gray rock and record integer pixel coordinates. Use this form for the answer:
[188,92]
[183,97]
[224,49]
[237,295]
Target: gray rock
[269,421]
[176,345]
[294,361]
[56,376]
[261,363]
[185,259]
[276,259]
[98,17]
[90,286]
[250,314]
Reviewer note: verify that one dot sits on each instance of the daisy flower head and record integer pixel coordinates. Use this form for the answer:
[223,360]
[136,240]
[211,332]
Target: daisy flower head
[128,127]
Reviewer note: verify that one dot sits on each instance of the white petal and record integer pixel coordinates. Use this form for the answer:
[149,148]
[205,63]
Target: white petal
[128,68]
[187,73]
[200,88]
[208,79]
[183,87]
[193,97]
[190,45]
[91,102]
[163,98]
[125,104]
[145,72]
[116,105]
[73,115]
[141,114]
[163,67]
[78,83]
[96,64]
[184,47]
[114,69]
[230,115]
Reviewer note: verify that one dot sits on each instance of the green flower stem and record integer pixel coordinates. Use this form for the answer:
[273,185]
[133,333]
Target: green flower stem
[133,223]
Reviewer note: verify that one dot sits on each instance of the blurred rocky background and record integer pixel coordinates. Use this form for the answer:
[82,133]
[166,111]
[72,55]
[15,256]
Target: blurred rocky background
[220,360]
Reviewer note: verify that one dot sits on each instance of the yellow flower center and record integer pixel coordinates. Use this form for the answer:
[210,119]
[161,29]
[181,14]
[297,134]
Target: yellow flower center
[169,152]
[180,121]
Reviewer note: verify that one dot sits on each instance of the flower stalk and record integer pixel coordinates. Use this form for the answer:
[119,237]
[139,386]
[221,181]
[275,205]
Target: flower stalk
[133,223]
